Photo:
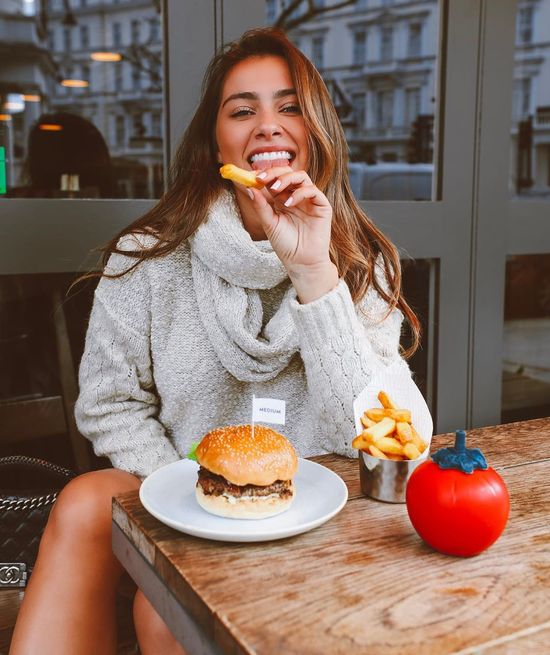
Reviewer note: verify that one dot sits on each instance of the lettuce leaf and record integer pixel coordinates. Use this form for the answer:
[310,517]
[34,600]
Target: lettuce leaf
[192,454]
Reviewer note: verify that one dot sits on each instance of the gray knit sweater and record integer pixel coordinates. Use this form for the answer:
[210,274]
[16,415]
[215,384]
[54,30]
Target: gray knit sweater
[152,382]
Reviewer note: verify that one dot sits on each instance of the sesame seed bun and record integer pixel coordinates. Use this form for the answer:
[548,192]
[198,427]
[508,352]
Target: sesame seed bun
[241,459]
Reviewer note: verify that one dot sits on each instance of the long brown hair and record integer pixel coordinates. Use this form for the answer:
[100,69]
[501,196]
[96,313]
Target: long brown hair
[194,181]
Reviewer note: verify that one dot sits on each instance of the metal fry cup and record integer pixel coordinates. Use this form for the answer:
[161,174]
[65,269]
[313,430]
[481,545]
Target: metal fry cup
[386,479]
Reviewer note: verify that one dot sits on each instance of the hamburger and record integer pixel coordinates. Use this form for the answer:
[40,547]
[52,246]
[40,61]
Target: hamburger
[243,476]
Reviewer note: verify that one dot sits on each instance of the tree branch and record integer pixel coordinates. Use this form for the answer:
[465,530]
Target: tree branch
[286,23]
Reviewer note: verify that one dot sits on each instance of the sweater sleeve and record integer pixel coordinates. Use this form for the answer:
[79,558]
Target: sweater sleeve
[117,408]
[345,349]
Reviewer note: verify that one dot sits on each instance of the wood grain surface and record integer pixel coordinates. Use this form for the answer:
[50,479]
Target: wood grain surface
[364,582]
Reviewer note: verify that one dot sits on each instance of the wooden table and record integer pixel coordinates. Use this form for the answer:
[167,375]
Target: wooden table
[363,582]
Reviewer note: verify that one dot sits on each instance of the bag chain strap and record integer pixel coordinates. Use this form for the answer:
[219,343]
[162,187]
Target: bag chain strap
[39,501]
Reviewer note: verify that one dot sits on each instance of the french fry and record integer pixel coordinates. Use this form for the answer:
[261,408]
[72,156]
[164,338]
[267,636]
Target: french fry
[417,440]
[362,441]
[377,414]
[366,421]
[411,451]
[404,431]
[380,430]
[389,445]
[376,452]
[240,175]
[386,401]
[397,458]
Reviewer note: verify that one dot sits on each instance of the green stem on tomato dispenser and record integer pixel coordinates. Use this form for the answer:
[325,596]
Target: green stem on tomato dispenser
[459,457]
[460,441]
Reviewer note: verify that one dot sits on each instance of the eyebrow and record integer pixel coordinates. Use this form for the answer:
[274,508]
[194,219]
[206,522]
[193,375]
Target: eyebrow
[249,95]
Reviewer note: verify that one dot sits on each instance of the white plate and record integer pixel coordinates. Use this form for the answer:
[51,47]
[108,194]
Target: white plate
[169,495]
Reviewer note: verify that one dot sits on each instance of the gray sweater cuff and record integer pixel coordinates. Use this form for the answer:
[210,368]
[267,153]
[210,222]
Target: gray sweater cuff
[331,315]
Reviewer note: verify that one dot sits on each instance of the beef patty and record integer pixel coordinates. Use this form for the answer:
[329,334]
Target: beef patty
[217,485]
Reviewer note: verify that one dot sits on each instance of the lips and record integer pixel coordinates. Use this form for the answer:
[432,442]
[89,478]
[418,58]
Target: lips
[270,159]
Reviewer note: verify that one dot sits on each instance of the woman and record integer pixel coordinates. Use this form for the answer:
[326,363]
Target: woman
[218,293]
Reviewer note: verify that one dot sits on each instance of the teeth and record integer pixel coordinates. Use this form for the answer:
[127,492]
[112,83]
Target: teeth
[264,156]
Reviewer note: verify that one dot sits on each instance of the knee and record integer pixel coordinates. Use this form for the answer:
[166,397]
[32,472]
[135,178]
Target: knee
[84,504]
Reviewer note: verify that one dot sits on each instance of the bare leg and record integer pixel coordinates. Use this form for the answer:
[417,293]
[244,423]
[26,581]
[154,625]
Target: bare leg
[153,634]
[69,604]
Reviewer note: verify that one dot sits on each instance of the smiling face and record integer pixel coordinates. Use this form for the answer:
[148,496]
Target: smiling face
[259,122]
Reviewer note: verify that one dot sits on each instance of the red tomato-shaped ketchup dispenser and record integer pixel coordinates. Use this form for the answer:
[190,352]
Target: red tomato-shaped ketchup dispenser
[457,503]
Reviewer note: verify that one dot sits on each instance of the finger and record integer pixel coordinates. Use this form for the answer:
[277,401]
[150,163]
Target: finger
[269,175]
[284,180]
[264,210]
[292,179]
[310,193]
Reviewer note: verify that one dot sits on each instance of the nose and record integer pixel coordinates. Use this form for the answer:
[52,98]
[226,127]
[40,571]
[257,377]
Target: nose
[268,125]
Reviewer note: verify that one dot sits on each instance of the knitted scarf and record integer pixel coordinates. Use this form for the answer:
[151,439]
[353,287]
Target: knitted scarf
[228,269]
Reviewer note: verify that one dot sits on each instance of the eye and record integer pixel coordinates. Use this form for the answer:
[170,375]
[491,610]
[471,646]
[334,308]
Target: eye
[291,108]
[239,112]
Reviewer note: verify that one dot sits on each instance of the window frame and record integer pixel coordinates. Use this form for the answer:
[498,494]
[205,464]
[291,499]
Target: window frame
[462,228]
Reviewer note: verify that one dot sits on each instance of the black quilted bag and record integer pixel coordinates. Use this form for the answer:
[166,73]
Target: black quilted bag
[28,490]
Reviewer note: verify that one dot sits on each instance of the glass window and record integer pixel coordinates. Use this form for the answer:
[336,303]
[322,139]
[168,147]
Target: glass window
[271,11]
[67,39]
[414,45]
[524,25]
[386,43]
[57,104]
[359,47]
[419,277]
[530,132]
[318,51]
[120,130]
[386,99]
[135,31]
[84,37]
[359,109]
[526,356]
[383,101]
[117,35]
[412,105]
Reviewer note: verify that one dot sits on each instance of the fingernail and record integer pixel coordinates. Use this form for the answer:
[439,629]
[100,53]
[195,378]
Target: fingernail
[289,201]
[261,175]
[276,185]
[249,191]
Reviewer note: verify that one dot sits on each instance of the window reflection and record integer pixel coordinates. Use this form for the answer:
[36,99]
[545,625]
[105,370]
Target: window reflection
[97,64]
[379,61]
[530,148]
[526,356]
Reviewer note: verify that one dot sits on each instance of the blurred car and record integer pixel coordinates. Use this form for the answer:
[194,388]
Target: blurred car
[391,181]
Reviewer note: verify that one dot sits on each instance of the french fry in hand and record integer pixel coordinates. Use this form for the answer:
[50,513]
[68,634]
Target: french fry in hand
[389,433]
[240,175]
[386,401]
